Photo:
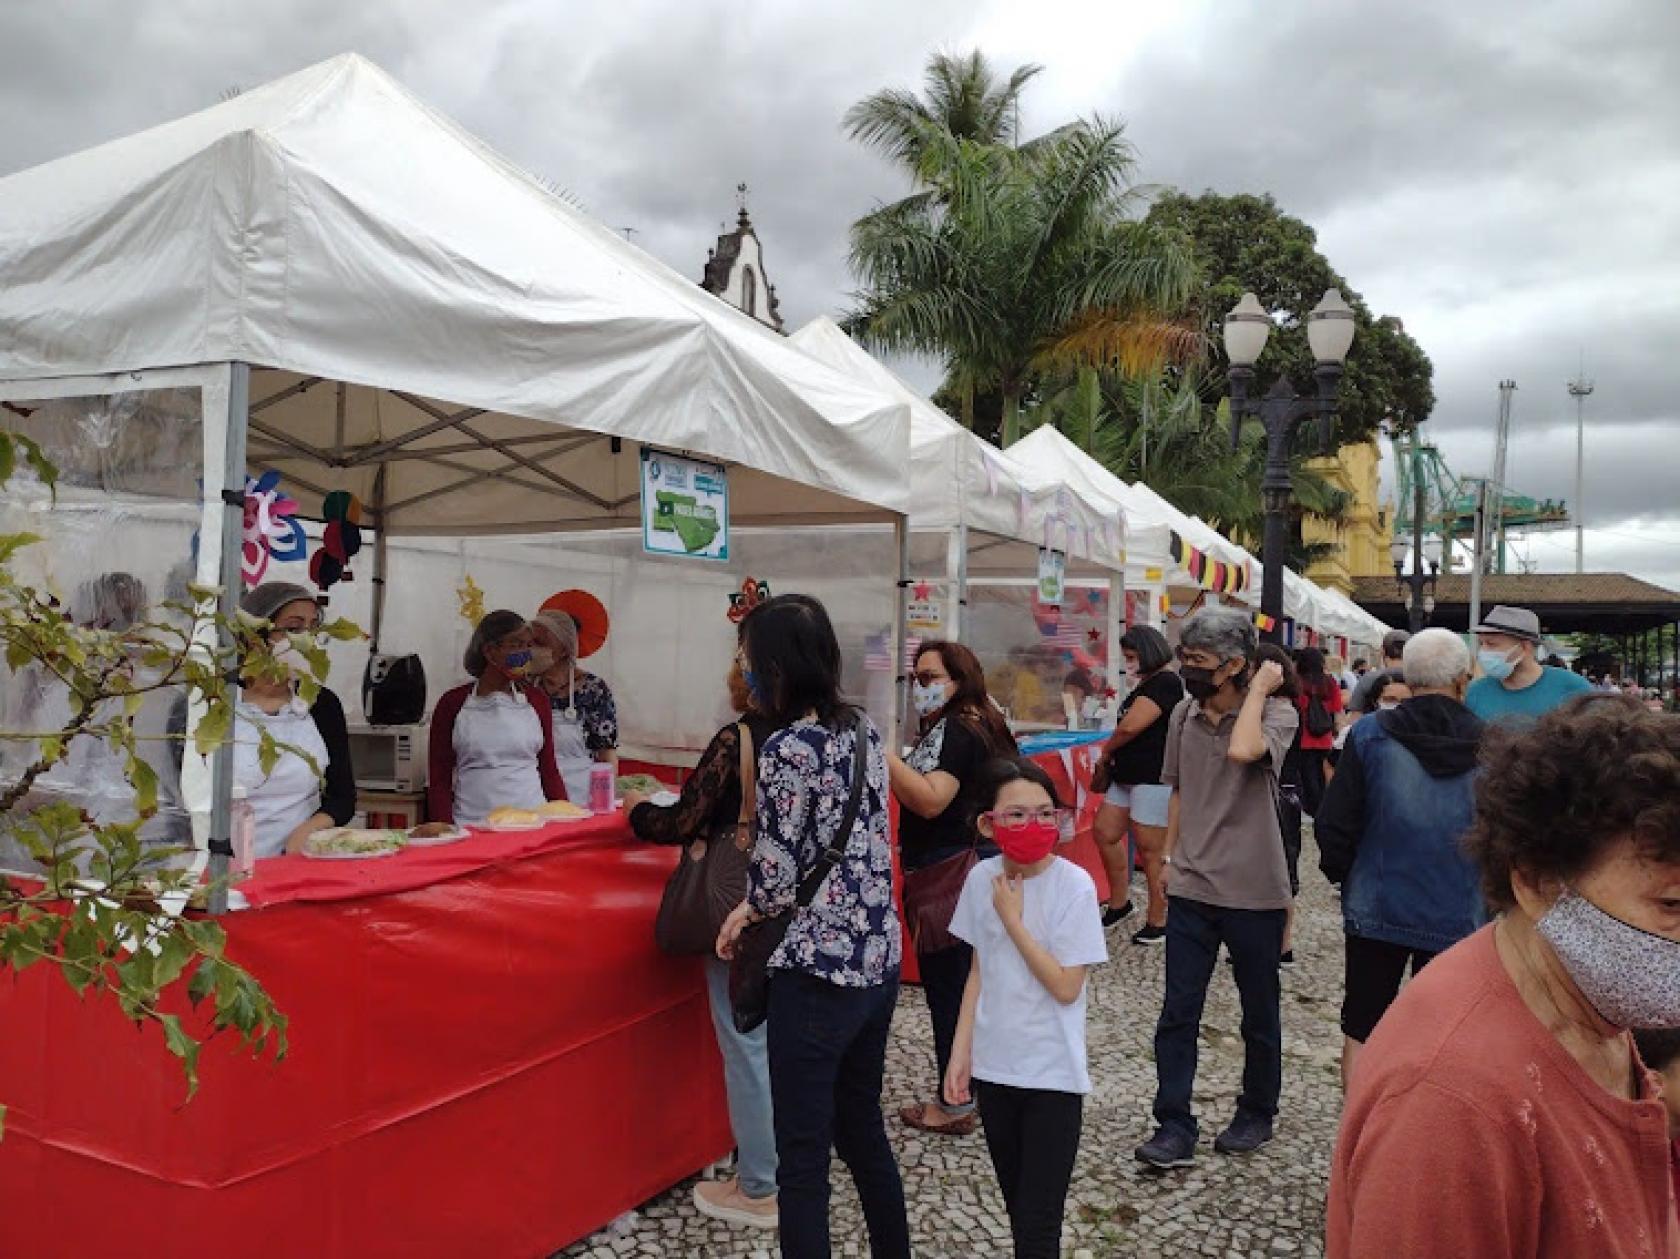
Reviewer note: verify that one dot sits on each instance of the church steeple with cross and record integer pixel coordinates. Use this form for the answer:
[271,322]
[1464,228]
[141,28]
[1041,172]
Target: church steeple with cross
[735,270]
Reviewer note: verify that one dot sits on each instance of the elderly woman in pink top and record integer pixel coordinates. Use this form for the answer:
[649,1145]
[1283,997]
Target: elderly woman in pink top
[1500,1109]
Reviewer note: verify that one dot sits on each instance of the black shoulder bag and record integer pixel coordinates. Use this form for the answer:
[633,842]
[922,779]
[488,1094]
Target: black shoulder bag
[749,970]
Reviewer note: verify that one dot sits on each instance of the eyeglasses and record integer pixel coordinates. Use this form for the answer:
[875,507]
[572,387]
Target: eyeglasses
[1014,819]
[299,627]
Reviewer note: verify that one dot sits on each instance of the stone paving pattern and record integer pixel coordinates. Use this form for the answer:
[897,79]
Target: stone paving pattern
[1269,1204]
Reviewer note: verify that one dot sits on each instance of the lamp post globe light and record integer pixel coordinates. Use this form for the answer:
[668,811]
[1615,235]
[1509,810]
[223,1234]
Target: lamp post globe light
[1280,411]
[1417,585]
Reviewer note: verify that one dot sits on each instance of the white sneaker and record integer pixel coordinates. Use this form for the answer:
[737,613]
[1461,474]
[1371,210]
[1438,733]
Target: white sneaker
[723,1200]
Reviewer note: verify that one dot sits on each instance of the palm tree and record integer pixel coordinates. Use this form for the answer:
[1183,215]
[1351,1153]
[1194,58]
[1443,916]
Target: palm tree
[965,101]
[1017,261]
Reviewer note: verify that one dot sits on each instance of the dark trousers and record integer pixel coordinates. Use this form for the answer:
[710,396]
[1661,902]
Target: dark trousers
[944,976]
[828,1048]
[1195,931]
[1313,762]
[1033,1137]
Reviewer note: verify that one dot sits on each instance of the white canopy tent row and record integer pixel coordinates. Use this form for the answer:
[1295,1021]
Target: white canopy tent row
[979,522]
[1164,566]
[326,278]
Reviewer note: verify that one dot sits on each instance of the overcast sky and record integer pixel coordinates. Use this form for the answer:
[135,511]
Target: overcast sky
[1502,176]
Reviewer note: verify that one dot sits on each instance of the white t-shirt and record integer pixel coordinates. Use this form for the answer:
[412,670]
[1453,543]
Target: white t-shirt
[1023,1036]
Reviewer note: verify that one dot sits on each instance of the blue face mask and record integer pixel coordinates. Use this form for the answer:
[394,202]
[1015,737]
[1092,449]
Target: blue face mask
[751,679]
[516,661]
[1496,664]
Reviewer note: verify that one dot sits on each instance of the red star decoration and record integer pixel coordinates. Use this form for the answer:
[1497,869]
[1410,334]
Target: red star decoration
[1095,635]
[923,591]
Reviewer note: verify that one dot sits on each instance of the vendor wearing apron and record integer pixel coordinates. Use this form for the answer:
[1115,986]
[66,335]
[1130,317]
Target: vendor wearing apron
[581,708]
[491,743]
[294,799]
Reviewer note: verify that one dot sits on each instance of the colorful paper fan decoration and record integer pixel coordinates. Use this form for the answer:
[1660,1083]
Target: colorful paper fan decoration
[270,532]
[754,592]
[341,539]
[588,613]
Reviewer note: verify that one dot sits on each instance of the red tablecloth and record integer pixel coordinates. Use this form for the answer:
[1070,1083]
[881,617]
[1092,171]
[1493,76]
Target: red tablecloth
[489,1058]
[493,1065]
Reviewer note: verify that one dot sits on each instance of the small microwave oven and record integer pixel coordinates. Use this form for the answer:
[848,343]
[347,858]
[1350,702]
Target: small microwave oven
[389,758]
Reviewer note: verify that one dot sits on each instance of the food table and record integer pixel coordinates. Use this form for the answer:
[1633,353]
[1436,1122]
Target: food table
[488,1057]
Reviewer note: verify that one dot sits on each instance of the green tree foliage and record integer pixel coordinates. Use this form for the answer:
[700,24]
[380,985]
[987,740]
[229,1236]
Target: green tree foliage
[105,908]
[1243,243]
[1010,261]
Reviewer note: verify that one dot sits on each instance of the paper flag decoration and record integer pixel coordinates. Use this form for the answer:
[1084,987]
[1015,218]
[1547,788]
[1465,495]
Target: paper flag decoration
[1210,574]
[270,532]
[341,539]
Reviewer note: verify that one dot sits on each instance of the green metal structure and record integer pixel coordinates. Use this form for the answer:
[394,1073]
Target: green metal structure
[1449,503]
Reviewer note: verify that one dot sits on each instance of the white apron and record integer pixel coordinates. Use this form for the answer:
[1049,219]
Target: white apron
[289,796]
[497,740]
[571,753]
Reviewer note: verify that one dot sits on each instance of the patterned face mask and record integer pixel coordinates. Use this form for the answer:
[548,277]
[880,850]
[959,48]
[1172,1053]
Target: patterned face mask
[1631,977]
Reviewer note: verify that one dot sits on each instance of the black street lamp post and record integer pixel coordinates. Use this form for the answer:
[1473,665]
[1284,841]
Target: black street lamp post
[1281,412]
[1417,585]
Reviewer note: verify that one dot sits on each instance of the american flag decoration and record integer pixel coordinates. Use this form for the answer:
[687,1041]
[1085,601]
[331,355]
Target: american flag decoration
[877,653]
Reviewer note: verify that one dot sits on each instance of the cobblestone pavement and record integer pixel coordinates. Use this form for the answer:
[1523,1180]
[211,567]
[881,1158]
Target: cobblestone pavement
[1270,1204]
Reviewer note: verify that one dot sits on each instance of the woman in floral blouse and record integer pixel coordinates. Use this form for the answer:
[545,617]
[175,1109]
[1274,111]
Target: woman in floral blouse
[582,711]
[834,980]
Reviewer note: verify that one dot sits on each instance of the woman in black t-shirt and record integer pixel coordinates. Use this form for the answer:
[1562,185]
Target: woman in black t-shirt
[1136,800]
[961,729]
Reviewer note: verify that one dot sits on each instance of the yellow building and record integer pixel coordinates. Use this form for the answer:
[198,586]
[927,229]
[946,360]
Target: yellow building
[1361,540]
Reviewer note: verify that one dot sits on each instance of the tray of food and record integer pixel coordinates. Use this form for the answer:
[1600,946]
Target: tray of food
[507,818]
[562,811]
[432,834]
[352,843]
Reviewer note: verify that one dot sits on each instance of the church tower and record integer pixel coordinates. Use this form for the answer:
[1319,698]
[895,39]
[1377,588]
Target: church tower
[735,271]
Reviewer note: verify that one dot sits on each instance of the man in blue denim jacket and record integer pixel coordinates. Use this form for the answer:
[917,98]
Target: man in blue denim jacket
[1389,828]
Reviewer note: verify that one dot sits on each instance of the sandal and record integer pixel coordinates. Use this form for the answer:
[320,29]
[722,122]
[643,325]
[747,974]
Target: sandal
[961,1126]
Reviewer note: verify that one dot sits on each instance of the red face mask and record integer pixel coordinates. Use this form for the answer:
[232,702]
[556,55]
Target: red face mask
[1029,842]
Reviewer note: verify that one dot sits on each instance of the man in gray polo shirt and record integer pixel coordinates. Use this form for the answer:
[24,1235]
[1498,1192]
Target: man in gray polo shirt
[1227,880]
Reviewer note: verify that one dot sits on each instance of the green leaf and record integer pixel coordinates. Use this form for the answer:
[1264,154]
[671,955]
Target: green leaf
[203,982]
[8,458]
[344,631]
[213,727]
[268,753]
[174,952]
[12,543]
[38,461]
[145,781]
[183,1047]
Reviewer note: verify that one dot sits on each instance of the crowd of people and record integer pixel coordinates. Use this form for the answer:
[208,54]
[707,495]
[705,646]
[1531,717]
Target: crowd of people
[1465,820]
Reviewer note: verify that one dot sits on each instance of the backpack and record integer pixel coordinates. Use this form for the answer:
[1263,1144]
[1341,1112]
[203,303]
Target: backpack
[1319,722]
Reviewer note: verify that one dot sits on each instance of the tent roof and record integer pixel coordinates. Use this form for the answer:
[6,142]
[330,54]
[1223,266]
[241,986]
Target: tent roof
[957,478]
[331,228]
[1601,603]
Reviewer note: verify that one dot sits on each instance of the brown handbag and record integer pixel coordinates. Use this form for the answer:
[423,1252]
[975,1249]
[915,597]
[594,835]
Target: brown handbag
[930,900]
[711,877]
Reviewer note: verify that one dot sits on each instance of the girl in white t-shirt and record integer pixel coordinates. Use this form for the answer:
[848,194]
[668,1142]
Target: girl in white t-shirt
[1033,920]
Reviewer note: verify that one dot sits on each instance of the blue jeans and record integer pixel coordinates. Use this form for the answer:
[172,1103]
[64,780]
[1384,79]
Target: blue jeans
[746,1080]
[828,1049]
[1254,937]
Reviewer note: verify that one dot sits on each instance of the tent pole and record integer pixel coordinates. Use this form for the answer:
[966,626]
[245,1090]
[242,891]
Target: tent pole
[378,557]
[956,569]
[896,715]
[233,524]
[1116,627]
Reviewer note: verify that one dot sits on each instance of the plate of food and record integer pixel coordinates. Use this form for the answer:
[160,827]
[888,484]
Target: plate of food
[431,834]
[352,843]
[641,784]
[507,818]
[562,811]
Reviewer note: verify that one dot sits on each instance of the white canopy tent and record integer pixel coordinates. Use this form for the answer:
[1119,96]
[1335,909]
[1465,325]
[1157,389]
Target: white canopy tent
[373,300]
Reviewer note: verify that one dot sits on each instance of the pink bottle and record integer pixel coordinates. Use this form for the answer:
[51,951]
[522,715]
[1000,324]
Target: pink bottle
[601,788]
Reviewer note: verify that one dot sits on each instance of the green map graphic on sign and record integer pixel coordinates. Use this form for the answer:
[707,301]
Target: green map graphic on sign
[695,524]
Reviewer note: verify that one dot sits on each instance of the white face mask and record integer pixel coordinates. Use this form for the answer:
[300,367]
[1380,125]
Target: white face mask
[1387,705]
[289,653]
[542,660]
[1630,976]
[928,699]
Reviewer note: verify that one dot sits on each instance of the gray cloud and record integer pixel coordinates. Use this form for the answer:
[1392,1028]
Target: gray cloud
[1500,175]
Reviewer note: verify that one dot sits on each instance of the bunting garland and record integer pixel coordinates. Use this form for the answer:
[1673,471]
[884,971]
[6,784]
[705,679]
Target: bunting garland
[1209,573]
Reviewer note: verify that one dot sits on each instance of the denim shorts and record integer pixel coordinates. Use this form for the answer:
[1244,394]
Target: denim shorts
[1147,801]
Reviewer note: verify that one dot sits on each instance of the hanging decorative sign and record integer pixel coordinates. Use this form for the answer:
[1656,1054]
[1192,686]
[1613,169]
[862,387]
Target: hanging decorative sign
[1052,576]
[685,506]
[925,609]
[1210,574]
[749,596]
[270,532]
[341,539]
